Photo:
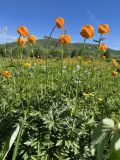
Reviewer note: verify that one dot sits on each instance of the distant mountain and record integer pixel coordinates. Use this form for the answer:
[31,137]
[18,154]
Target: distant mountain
[54,44]
[73,46]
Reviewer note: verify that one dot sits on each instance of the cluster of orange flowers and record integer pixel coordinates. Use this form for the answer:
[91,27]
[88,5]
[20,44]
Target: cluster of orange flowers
[64,38]
[8,74]
[87,32]
[23,31]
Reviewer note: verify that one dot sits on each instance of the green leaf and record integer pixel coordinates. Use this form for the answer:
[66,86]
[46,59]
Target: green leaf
[117,144]
[18,139]
[101,146]
[100,136]
[33,158]
[118,126]
[10,141]
[95,40]
[96,138]
[108,124]
[59,142]
[114,139]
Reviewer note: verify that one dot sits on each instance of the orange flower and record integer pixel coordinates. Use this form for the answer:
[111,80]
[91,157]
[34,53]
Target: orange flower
[21,41]
[115,63]
[65,39]
[59,22]
[87,31]
[7,74]
[103,47]
[23,31]
[32,39]
[27,65]
[114,73]
[103,29]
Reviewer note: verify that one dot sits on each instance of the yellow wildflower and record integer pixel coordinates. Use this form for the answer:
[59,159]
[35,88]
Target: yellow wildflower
[27,65]
[100,99]
[85,94]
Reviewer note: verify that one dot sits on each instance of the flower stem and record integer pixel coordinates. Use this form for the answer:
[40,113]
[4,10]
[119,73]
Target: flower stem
[83,46]
[52,31]
[99,42]
[49,37]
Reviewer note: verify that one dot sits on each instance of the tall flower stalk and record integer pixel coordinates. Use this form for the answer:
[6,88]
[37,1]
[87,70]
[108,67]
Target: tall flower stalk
[84,43]
[59,24]
[32,40]
[99,43]
[87,32]
[102,29]
[46,57]
[22,31]
[64,40]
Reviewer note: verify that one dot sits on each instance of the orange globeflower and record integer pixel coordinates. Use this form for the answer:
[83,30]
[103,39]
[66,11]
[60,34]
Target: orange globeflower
[59,22]
[21,41]
[23,31]
[115,63]
[7,74]
[32,39]
[27,65]
[103,29]
[103,47]
[114,73]
[65,39]
[87,31]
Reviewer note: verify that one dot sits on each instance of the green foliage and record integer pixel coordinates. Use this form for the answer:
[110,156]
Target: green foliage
[58,121]
[9,142]
[103,133]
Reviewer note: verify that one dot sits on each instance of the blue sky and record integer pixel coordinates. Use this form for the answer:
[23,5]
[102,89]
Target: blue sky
[39,17]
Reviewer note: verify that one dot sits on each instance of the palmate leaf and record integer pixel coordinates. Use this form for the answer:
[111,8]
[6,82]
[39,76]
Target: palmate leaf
[100,137]
[115,142]
[108,124]
[101,145]
[96,138]
[10,141]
